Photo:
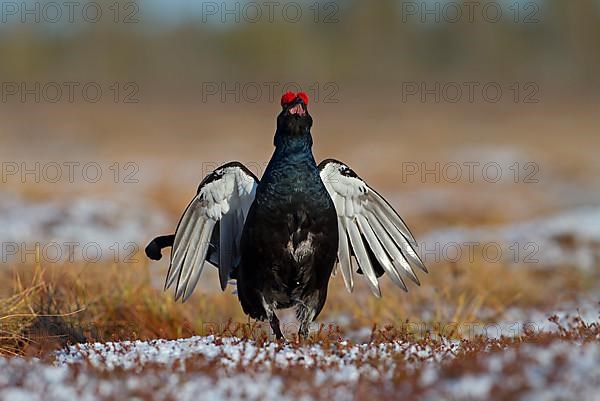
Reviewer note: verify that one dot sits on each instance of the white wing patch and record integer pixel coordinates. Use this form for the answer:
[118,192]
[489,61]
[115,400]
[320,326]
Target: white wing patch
[366,222]
[224,198]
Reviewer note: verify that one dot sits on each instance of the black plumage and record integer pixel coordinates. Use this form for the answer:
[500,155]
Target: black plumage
[280,237]
[289,242]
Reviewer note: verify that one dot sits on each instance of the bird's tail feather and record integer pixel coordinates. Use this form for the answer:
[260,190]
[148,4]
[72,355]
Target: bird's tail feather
[154,248]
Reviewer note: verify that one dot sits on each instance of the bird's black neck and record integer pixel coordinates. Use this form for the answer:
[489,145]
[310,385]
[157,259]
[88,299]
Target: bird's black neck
[292,174]
[292,145]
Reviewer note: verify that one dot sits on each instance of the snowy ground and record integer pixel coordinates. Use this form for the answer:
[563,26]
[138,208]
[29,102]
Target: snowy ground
[209,368]
[565,239]
[79,228]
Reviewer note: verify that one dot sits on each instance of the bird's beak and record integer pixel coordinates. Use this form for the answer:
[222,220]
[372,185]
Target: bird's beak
[298,109]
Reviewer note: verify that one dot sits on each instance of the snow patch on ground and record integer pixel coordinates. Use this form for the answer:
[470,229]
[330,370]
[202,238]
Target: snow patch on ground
[209,368]
[586,309]
[567,239]
[94,222]
[231,352]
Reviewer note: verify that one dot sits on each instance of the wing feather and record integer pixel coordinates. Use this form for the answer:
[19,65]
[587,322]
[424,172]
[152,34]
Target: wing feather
[391,248]
[184,250]
[373,227]
[407,249]
[391,214]
[362,257]
[344,256]
[198,263]
[379,252]
[189,262]
[227,243]
[223,200]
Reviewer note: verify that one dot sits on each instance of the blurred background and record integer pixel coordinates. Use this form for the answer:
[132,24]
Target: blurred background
[478,120]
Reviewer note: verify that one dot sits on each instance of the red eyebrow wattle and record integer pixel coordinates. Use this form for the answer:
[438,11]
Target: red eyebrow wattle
[289,97]
[303,96]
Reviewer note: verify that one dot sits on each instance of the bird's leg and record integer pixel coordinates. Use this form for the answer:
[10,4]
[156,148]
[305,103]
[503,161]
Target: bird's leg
[273,320]
[305,315]
[304,328]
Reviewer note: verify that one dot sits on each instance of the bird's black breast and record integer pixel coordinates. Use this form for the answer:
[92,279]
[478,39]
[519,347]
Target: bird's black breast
[290,238]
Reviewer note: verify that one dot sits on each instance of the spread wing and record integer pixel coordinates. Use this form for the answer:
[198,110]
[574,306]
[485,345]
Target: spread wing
[211,225]
[369,229]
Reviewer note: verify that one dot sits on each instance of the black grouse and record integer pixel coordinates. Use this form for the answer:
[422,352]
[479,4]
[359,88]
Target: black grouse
[280,237]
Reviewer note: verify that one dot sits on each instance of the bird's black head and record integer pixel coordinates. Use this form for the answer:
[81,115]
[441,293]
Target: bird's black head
[294,122]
